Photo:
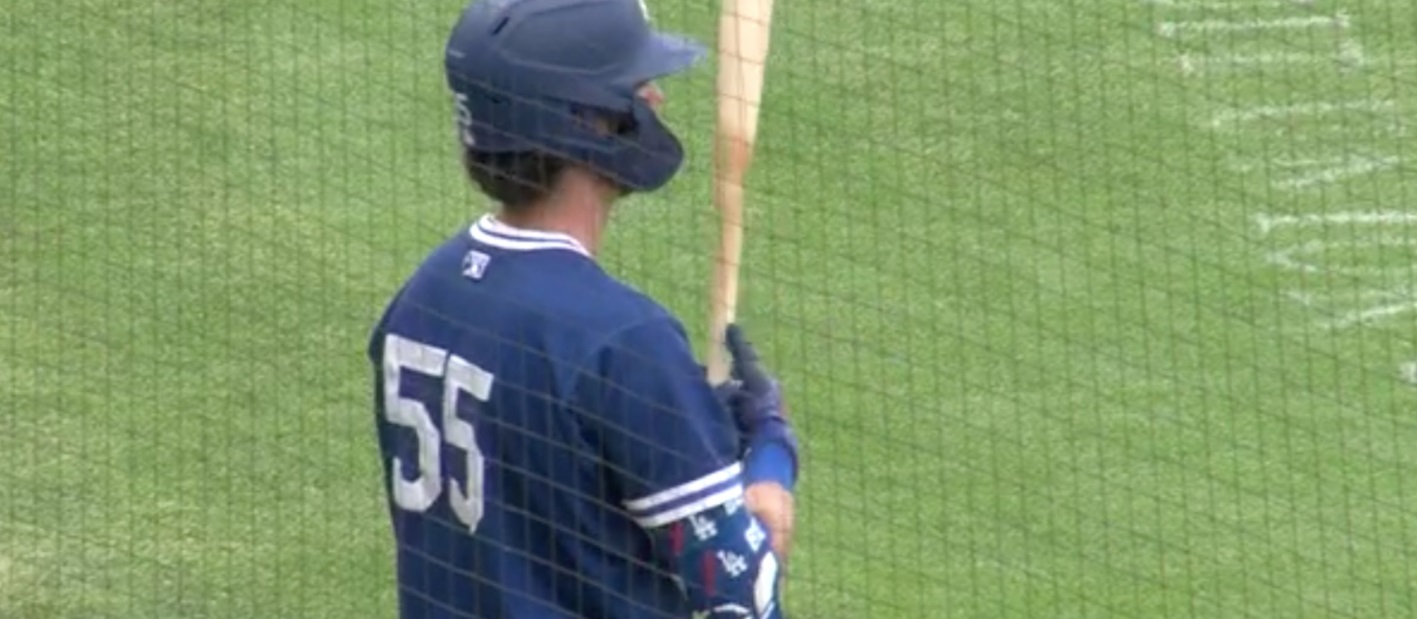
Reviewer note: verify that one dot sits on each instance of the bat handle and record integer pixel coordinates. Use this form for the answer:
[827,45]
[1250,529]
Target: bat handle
[719,365]
[724,297]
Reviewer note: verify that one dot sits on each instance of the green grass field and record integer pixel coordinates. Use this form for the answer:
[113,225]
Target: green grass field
[1087,309]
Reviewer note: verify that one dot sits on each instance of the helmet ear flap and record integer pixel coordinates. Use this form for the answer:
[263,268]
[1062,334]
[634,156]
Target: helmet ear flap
[645,155]
[633,148]
[616,130]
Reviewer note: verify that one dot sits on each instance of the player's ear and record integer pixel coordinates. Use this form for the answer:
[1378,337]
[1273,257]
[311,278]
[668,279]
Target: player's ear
[601,122]
[652,95]
[608,124]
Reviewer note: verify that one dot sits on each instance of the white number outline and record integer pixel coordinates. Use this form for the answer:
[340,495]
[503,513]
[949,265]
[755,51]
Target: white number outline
[459,377]
[463,118]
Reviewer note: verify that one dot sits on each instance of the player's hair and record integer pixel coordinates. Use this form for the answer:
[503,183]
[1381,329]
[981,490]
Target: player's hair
[518,179]
[514,180]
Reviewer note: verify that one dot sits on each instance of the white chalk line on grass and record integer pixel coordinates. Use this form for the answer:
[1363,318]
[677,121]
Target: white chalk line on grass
[1350,53]
[1408,372]
[1269,222]
[1309,172]
[1331,119]
[1335,127]
[1349,56]
[1196,64]
[1296,163]
[1313,173]
[1173,29]
[1390,304]
[1309,298]
[1230,5]
[1300,256]
[1239,115]
[1307,257]
[1371,315]
[1304,298]
[1380,303]
[1357,167]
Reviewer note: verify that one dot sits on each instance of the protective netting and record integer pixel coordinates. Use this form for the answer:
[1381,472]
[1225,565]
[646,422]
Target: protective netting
[1094,308]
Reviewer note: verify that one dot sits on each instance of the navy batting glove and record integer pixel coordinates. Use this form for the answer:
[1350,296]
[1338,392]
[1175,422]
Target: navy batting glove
[758,407]
[728,394]
[758,396]
[747,366]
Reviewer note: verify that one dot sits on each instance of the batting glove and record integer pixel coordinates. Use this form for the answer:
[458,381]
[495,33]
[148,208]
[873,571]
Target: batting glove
[757,403]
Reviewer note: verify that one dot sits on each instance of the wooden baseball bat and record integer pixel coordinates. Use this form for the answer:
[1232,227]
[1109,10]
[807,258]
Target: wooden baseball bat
[744,30]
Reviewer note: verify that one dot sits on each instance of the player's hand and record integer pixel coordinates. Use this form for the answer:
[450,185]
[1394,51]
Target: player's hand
[728,393]
[774,506]
[757,396]
[758,408]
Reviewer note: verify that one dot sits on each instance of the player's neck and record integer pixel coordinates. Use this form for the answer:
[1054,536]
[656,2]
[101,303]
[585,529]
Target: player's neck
[579,207]
[582,220]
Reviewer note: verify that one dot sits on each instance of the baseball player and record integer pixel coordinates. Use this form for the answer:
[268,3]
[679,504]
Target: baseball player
[551,448]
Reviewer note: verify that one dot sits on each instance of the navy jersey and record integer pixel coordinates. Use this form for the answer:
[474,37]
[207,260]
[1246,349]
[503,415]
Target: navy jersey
[535,417]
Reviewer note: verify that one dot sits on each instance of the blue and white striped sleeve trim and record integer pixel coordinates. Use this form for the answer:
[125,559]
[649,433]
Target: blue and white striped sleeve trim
[707,492]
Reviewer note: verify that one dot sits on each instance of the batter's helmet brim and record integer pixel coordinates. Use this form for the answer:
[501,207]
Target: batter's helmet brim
[663,55]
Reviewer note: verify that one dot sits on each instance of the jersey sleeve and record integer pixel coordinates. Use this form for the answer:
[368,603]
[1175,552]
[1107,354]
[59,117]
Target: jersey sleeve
[670,446]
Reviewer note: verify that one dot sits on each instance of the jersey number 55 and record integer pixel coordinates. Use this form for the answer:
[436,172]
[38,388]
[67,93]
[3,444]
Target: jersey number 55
[459,379]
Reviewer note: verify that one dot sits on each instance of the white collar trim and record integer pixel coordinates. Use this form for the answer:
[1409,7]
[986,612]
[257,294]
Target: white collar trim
[489,231]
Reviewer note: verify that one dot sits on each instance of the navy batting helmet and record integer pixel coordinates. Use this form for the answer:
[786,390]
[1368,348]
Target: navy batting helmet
[532,75]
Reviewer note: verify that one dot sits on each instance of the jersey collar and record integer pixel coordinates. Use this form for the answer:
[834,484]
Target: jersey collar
[489,231]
